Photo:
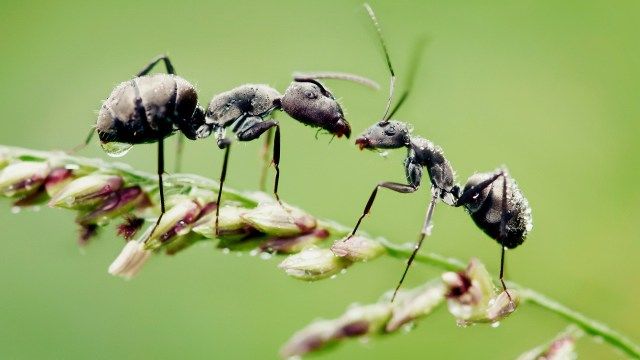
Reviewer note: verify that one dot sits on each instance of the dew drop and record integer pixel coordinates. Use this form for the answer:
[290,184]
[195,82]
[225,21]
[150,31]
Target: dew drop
[265,256]
[226,251]
[462,323]
[406,328]
[116,149]
[254,252]
[16,209]
[343,271]
[495,324]
[333,277]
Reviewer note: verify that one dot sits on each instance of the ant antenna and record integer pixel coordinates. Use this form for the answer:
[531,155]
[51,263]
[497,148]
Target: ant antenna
[297,76]
[392,81]
[418,50]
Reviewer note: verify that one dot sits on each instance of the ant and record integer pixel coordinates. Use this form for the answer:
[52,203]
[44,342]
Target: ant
[246,110]
[149,108]
[493,200]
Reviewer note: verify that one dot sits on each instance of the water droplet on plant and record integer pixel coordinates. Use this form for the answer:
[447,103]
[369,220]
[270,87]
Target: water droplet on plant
[16,209]
[333,276]
[226,251]
[495,324]
[343,271]
[116,149]
[265,256]
[254,252]
[462,323]
[406,328]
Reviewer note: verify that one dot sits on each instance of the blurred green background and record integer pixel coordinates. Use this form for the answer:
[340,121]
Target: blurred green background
[548,88]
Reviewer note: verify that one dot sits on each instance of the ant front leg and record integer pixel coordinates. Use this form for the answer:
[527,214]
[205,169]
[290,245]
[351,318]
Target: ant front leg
[253,128]
[413,172]
[264,156]
[397,187]
[426,230]
[226,145]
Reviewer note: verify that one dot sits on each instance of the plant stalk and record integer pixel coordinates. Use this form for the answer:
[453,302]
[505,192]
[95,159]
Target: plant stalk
[187,181]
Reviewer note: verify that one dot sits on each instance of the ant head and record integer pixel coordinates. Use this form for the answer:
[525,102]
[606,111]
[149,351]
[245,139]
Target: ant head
[309,102]
[384,135]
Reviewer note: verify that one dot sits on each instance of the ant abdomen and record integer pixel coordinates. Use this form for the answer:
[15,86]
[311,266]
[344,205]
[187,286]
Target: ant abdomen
[145,109]
[508,225]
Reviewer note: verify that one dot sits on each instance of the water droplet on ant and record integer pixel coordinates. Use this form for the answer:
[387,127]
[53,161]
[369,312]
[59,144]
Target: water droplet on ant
[116,149]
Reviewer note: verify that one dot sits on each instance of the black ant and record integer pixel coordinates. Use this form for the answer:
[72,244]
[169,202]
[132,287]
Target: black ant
[149,108]
[493,200]
[247,108]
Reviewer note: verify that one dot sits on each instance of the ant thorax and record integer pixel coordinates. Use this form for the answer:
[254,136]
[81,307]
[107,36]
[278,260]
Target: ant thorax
[245,100]
[426,152]
[431,156]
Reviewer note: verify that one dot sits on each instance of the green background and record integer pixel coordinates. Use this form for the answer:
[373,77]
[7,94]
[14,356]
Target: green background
[548,88]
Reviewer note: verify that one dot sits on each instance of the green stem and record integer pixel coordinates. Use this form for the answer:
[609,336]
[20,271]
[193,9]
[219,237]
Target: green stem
[187,181]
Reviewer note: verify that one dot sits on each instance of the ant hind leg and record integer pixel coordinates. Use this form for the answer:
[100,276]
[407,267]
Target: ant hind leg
[167,63]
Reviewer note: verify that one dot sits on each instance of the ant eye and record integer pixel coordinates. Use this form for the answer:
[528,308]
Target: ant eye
[311,95]
[390,131]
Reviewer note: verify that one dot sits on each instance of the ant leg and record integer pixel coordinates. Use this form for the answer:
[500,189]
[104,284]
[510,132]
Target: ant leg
[276,162]
[466,196]
[264,155]
[86,142]
[426,231]
[225,144]
[503,233]
[154,62]
[397,187]
[251,129]
[160,186]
